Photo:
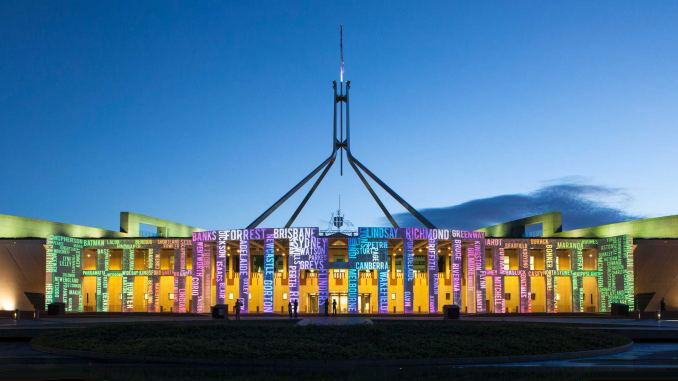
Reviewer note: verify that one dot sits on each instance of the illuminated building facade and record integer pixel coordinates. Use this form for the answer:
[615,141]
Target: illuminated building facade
[372,271]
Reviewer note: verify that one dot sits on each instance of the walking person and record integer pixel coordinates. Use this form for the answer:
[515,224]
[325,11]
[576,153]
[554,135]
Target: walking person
[296,305]
[237,309]
[334,307]
[289,308]
[662,307]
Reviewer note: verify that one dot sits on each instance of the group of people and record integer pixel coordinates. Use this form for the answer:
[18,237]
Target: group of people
[293,305]
[292,308]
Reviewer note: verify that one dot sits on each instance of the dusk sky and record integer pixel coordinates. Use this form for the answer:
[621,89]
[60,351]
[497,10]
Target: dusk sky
[205,113]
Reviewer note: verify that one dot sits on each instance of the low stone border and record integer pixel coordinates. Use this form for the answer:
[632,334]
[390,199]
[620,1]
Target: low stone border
[325,363]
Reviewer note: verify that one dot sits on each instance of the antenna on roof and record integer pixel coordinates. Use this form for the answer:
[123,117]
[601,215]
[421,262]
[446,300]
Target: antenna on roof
[341,53]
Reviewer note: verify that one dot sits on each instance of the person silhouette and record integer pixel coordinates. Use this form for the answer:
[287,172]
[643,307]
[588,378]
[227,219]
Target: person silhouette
[334,307]
[662,306]
[327,308]
[289,308]
[296,306]
[237,309]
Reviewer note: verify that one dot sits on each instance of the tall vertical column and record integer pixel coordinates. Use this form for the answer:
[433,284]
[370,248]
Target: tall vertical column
[382,274]
[625,243]
[382,284]
[128,293]
[470,278]
[525,296]
[153,293]
[577,280]
[323,274]
[293,272]
[498,281]
[197,302]
[184,288]
[577,292]
[408,272]
[102,280]
[550,284]
[432,276]
[244,274]
[481,286]
[127,280]
[207,264]
[456,272]
[220,267]
[156,278]
[150,266]
[352,276]
[269,262]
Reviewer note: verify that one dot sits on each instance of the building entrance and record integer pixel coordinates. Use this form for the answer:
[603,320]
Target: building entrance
[342,302]
[312,303]
[364,303]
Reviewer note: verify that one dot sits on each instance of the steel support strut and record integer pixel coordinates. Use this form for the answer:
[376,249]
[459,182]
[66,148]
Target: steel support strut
[310,192]
[369,188]
[287,195]
[390,191]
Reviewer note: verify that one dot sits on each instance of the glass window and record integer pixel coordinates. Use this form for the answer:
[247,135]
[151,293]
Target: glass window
[441,263]
[89,259]
[563,259]
[488,259]
[257,264]
[534,230]
[419,263]
[140,256]
[537,259]
[399,263]
[590,259]
[511,259]
[278,265]
[166,259]
[189,259]
[115,259]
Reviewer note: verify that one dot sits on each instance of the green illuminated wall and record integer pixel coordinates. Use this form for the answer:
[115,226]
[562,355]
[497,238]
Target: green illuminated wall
[21,227]
[660,227]
[614,271]
[64,271]
[63,280]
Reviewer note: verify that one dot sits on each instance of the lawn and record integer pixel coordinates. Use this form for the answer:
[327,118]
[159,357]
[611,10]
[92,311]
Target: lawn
[282,340]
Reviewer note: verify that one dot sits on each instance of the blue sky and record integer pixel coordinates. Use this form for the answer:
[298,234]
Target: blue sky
[206,113]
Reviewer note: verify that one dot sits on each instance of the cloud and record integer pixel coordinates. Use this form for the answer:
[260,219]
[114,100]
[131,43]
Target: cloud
[582,205]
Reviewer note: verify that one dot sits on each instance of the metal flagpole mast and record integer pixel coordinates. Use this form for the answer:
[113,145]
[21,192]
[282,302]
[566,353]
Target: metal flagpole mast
[341,145]
[341,94]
